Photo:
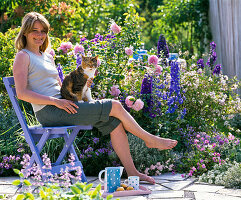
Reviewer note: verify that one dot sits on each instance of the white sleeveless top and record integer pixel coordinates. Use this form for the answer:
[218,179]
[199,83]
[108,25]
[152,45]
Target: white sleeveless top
[42,77]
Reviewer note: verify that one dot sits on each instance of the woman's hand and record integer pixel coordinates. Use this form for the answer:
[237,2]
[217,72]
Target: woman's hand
[89,82]
[67,105]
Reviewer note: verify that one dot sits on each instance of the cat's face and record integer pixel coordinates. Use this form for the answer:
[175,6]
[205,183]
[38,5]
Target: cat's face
[89,63]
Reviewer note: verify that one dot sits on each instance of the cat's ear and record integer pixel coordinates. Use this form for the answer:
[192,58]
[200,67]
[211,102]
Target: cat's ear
[96,57]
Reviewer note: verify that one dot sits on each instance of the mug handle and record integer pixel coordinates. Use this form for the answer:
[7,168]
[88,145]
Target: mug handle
[101,172]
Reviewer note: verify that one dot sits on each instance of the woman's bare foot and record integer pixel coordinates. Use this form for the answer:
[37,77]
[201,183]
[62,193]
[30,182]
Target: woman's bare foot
[144,177]
[160,143]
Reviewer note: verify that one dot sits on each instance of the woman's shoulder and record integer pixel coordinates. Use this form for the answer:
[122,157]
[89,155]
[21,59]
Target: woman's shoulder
[22,54]
[22,57]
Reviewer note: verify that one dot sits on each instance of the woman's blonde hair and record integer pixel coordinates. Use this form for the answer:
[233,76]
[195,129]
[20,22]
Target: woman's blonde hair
[27,27]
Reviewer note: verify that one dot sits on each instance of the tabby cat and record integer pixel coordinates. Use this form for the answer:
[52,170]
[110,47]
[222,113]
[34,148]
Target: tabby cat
[74,85]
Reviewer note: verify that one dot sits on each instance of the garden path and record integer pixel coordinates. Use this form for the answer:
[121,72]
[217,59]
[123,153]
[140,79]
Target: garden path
[167,187]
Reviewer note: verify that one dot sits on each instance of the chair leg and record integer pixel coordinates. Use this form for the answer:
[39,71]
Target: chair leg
[36,156]
[67,146]
[71,149]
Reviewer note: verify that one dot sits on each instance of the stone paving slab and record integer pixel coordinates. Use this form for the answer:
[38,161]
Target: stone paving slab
[177,185]
[230,192]
[8,189]
[131,198]
[204,188]
[155,187]
[160,181]
[7,180]
[166,194]
[170,177]
[213,196]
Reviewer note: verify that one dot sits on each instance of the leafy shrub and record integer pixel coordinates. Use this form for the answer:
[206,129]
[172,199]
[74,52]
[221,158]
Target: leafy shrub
[185,29]
[204,150]
[227,174]
[7,53]
[143,156]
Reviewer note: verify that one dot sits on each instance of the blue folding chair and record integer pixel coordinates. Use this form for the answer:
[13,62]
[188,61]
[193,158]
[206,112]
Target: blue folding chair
[37,136]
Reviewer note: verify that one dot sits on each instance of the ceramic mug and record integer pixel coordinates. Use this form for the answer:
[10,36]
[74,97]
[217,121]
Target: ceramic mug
[133,181]
[112,178]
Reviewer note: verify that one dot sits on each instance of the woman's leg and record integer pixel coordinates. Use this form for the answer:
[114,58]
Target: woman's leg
[120,144]
[133,127]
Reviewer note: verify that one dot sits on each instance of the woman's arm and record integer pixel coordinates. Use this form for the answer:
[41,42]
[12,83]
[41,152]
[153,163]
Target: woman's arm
[20,73]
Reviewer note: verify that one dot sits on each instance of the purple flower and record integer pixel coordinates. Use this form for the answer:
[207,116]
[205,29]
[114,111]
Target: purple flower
[200,63]
[217,69]
[61,75]
[213,45]
[146,93]
[213,56]
[162,47]
[78,60]
[96,140]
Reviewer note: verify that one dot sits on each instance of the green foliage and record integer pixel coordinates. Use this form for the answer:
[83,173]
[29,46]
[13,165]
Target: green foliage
[7,53]
[143,156]
[50,190]
[227,174]
[183,23]
[67,17]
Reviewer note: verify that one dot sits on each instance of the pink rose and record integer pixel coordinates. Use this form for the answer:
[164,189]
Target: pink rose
[65,47]
[158,70]
[52,52]
[129,101]
[128,51]
[115,91]
[138,105]
[78,49]
[115,28]
[153,60]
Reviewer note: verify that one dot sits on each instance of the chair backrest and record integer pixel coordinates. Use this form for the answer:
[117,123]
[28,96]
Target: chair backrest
[10,86]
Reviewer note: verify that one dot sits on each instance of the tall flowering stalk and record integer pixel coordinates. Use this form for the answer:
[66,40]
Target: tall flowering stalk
[60,71]
[174,95]
[213,56]
[162,47]
[146,93]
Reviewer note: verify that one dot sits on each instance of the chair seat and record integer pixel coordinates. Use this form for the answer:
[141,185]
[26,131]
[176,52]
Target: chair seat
[39,129]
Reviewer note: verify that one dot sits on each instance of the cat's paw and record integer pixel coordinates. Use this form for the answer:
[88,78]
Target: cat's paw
[80,101]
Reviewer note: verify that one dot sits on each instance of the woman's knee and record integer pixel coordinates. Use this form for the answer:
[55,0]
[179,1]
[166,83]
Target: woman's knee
[116,108]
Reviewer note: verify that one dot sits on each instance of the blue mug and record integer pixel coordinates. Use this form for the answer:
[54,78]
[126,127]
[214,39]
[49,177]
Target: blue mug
[112,178]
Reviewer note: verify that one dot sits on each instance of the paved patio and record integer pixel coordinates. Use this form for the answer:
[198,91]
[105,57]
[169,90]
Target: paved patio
[167,187]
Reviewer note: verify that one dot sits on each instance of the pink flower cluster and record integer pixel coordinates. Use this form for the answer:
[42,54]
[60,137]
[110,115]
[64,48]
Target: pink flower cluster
[65,47]
[153,60]
[114,90]
[136,105]
[129,51]
[79,49]
[158,168]
[115,28]
[63,179]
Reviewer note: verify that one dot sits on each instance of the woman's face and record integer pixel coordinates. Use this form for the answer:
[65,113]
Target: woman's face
[37,36]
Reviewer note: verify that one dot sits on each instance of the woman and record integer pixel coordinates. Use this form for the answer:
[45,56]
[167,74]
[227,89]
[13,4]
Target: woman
[37,82]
